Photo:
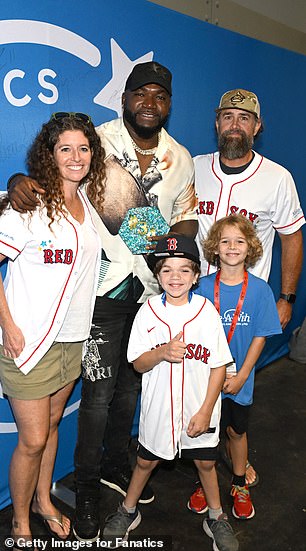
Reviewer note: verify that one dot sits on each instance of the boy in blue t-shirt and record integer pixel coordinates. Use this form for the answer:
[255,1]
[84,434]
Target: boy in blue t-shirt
[248,312]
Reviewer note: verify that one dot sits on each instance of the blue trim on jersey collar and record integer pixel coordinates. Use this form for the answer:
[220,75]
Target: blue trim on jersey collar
[163,297]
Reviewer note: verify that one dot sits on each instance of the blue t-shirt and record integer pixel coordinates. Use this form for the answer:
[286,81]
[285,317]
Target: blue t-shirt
[258,318]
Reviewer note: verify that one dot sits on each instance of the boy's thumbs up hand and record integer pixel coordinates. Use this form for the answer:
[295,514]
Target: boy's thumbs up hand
[175,349]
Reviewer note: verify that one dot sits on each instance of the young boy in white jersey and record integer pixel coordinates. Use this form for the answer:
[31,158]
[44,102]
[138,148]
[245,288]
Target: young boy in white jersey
[178,343]
[248,312]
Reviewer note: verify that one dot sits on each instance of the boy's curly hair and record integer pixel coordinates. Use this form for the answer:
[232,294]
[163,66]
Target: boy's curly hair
[211,243]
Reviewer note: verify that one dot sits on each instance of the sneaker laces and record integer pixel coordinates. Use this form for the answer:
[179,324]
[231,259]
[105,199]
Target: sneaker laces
[223,533]
[124,474]
[87,508]
[115,519]
[221,523]
[241,492]
[126,477]
[199,492]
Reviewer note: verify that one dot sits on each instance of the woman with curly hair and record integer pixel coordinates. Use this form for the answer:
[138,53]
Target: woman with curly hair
[248,313]
[46,305]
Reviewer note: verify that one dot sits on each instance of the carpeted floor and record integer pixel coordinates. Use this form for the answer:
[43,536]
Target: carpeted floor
[277,451]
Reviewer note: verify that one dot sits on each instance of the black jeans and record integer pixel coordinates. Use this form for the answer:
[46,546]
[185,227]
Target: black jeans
[110,388]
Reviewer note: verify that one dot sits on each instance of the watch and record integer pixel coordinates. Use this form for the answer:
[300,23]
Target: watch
[289,298]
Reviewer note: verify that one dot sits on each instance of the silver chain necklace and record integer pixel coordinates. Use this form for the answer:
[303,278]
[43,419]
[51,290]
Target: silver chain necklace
[145,151]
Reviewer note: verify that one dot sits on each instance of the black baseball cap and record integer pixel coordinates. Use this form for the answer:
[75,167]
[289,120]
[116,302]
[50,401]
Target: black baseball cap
[175,245]
[150,72]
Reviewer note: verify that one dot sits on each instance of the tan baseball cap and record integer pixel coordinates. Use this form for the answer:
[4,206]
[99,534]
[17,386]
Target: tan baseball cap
[240,99]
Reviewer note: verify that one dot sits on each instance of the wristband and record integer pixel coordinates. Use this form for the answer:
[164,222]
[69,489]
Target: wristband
[289,298]
[11,178]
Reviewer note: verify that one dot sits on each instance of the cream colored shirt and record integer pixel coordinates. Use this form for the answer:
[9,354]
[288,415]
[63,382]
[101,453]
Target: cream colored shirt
[168,184]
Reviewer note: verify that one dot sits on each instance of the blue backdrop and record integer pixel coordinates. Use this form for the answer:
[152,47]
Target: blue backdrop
[72,56]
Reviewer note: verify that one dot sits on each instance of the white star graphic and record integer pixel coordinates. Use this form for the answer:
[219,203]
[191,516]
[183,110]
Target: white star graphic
[110,95]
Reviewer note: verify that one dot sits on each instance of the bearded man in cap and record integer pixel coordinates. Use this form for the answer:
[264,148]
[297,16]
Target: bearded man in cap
[235,180]
[145,166]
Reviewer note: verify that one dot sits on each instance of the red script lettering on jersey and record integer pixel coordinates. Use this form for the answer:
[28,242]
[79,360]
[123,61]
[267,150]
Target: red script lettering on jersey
[58,256]
[198,352]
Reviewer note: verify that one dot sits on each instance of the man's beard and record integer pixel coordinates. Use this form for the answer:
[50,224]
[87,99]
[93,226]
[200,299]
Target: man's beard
[143,131]
[232,147]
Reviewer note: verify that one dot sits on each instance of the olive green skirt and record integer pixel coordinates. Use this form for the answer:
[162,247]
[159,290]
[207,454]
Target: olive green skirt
[58,367]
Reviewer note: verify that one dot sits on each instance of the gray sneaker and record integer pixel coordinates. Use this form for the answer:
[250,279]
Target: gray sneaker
[222,533]
[118,525]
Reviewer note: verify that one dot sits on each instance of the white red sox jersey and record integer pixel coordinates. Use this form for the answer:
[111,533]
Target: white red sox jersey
[264,192]
[173,392]
[43,271]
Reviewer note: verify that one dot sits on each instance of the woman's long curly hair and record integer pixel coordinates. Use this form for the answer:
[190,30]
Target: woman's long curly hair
[211,243]
[42,167]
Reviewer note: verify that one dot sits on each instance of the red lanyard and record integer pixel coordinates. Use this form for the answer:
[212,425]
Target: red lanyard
[239,303]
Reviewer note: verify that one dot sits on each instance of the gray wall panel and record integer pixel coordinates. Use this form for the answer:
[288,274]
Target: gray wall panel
[278,22]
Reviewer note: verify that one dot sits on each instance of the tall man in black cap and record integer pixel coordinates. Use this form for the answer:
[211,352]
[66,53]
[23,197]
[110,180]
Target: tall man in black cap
[145,166]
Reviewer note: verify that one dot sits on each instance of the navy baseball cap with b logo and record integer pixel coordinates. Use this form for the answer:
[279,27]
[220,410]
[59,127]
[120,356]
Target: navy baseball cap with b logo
[175,245]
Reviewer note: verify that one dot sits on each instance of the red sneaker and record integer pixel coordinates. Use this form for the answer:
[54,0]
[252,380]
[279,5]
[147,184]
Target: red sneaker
[197,502]
[243,506]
